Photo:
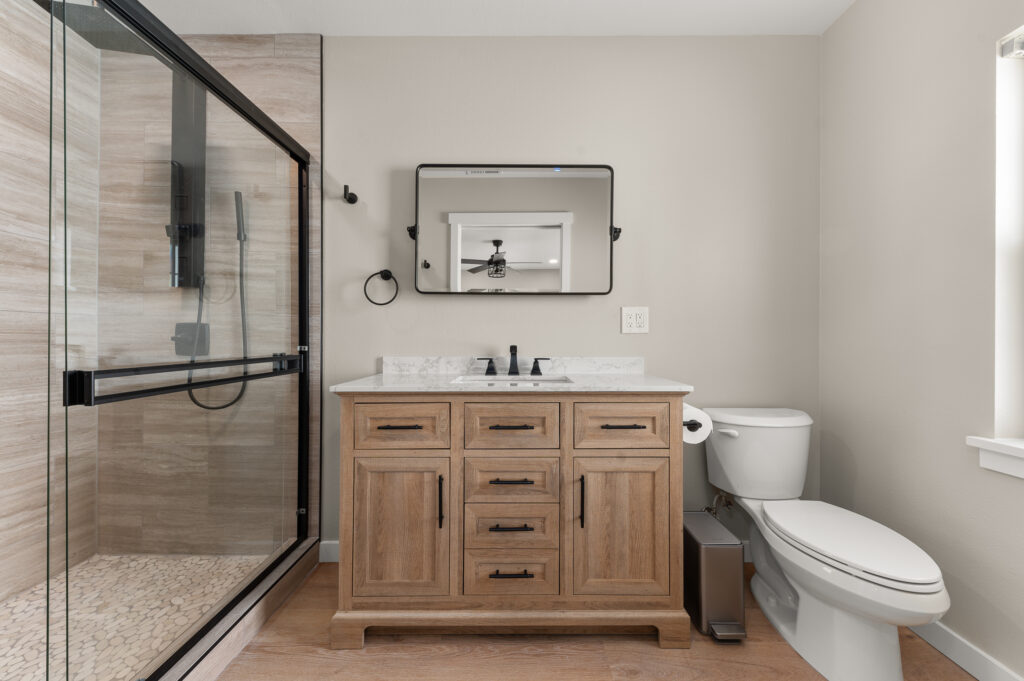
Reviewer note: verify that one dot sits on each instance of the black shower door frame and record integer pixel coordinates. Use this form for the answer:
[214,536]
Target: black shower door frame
[79,386]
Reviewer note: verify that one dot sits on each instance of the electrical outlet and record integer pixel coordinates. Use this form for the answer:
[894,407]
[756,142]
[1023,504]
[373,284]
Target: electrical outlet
[635,320]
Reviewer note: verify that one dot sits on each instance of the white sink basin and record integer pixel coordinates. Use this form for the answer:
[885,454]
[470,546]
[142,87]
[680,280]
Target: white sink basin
[512,381]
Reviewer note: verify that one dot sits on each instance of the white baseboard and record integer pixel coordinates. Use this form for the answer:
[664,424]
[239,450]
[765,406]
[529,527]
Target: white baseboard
[329,551]
[973,659]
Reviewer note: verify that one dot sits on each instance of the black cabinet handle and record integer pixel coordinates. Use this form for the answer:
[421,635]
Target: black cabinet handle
[498,574]
[440,501]
[583,499]
[630,426]
[519,528]
[499,481]
[522,427]
[393,427]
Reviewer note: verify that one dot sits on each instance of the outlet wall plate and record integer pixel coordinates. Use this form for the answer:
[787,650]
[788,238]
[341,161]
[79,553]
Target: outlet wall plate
[635,320]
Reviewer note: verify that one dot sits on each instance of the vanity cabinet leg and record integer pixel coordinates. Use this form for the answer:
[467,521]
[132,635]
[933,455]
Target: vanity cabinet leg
[346,634]
[674,633]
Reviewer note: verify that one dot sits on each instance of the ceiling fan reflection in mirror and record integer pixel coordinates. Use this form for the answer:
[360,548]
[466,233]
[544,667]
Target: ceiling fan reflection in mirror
[496,265]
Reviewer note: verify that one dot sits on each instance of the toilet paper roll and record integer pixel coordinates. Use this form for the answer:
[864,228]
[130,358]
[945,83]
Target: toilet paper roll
[693,437]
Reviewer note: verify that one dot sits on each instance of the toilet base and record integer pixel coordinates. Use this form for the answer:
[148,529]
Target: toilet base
[840,645]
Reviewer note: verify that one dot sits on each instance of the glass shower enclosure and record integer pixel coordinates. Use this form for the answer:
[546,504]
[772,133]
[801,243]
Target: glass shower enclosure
[156,407]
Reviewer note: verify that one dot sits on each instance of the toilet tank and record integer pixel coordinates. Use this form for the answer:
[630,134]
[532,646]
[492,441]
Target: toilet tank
[759,453]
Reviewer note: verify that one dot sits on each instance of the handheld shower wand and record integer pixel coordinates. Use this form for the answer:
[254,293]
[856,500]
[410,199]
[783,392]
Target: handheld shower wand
[242,238]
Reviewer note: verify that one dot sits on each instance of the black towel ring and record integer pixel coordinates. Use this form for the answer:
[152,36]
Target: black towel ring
[386,276]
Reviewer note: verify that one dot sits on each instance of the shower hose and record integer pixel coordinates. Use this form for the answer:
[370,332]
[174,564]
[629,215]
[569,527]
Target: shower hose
[241,298]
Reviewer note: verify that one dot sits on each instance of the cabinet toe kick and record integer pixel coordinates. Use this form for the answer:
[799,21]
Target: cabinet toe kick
[348,627]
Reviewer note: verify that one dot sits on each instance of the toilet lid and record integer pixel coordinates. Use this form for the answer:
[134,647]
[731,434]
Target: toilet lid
[761,417]
[869,548]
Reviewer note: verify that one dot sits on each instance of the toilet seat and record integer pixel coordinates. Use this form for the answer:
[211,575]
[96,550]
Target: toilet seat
[853,544]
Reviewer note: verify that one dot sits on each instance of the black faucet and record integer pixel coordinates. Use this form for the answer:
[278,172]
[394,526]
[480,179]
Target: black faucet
[513,362]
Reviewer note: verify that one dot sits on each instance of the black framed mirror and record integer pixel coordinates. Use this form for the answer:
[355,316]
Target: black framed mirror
[514,229]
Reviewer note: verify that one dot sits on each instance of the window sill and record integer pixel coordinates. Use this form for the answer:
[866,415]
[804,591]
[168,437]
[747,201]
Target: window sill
[1000,454]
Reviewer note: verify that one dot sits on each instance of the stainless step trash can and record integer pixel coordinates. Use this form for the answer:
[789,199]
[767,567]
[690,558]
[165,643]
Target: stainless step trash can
[713,577]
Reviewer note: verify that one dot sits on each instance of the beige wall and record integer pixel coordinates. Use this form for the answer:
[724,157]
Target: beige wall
[907,295]
[714,142]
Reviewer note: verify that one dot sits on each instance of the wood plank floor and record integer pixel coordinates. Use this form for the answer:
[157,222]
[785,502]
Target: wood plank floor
[293,645]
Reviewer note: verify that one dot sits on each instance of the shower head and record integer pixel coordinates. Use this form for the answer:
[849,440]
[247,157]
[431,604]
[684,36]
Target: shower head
[100,29]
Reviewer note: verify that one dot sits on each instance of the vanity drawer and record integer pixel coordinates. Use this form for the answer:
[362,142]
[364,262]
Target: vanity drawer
[518,526]
[512,425]
[407,425]
[517,480]
[621,425]
[495,572]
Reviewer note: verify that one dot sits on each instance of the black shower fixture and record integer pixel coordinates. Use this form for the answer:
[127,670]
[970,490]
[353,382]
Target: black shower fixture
[186,229]
[349,196]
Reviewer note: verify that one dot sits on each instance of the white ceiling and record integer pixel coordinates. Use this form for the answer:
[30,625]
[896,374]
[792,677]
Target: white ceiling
[501,17]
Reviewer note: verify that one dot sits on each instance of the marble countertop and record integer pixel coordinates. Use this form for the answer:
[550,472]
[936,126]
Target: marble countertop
[440,374]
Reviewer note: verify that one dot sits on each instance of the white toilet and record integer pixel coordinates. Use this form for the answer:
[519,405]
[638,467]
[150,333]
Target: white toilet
[835,584]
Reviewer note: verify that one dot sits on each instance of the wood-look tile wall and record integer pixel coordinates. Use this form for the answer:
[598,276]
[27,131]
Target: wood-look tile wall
[282,75]
[33,339]
[169,477]
[172,477]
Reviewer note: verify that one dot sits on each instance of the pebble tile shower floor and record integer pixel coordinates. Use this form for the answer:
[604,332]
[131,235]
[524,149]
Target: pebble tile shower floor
[125,610]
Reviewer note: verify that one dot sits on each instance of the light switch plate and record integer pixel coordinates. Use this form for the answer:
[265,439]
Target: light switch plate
[635,320]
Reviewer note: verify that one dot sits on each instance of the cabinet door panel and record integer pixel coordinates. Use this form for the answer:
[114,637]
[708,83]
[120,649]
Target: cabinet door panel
[622,546]
[400,542]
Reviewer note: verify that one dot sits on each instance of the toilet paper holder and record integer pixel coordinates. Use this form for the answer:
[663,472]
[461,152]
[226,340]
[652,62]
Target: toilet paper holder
[693,425]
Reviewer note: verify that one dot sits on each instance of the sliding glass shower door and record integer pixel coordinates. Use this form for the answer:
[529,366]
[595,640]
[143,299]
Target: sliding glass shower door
[177,351]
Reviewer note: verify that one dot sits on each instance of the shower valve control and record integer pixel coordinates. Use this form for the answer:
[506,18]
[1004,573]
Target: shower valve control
[191,339]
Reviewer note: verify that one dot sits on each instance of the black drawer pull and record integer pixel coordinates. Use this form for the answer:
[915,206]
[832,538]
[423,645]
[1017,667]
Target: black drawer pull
[522,427]
[392,427]
[499,528]
[498,574]
[499,481]
[630,426]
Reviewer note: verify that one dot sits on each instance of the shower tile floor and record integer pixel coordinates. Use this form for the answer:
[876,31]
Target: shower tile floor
[125,611]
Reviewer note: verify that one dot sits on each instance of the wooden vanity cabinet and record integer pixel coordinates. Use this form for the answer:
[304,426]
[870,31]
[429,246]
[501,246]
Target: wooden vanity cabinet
[524,512]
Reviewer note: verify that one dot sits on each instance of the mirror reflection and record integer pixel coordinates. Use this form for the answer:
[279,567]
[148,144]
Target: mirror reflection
[514,229]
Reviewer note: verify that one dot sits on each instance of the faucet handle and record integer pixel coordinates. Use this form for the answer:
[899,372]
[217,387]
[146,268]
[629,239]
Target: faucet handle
[535,371]
[491,371]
